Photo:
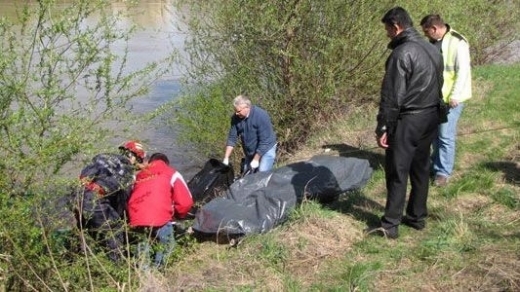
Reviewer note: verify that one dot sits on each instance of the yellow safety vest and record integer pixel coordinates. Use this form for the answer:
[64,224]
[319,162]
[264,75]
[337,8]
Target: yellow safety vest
[450,43]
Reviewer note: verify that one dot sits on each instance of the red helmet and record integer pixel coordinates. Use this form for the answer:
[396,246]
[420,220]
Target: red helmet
[134,147]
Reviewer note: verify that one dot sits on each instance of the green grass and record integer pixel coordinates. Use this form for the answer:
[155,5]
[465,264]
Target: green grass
[472,239]
[471,242]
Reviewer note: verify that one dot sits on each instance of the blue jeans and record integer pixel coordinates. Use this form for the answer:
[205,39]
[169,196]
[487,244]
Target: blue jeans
[266,161]
[163,243]
[443,156]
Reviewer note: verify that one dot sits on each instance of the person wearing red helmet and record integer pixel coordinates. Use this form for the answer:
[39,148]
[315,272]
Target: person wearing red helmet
[133,149]
[106,183]
[160,195]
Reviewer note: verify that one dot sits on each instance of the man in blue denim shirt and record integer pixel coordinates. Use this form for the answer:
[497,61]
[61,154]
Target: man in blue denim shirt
[253,125]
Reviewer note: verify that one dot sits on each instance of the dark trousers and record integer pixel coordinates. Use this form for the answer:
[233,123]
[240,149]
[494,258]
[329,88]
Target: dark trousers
[408,157]
[103,222]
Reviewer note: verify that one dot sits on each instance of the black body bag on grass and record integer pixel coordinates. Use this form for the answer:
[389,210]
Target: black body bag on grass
[211,182]
[258,202]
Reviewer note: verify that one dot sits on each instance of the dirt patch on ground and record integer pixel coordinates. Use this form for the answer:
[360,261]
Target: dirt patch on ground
[297,250]
[509,54]
[468,205]
[316,239]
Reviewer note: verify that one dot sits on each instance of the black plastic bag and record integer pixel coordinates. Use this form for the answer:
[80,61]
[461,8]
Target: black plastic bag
[211,182]
[258,202]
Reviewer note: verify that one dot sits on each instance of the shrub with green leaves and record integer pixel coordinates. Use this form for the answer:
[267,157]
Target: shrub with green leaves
[307,62]
[63,86]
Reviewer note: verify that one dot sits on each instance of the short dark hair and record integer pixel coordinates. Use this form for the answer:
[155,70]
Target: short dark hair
[432,19]
[399,16]
[159,156]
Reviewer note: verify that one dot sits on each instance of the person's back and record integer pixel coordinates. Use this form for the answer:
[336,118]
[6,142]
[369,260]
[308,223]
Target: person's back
[160,195]
[109,177]
[106,183]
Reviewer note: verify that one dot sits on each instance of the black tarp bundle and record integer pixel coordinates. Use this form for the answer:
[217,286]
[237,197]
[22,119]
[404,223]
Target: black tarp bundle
[212,181]
[258,202]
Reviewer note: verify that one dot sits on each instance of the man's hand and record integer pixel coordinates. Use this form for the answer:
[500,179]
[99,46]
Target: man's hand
[382,141]
[254,164]
[454,103]
[225,161]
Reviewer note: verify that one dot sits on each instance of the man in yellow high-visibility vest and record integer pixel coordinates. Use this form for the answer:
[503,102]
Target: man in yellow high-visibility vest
[456,90]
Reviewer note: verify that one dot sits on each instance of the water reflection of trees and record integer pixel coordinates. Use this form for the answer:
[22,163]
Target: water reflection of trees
[148,14]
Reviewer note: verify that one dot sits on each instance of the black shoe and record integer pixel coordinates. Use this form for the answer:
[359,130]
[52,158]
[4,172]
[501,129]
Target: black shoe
[391,233]
[417,225]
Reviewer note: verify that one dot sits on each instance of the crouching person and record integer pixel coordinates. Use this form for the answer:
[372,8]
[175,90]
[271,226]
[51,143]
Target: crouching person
[160,195]
[106,183]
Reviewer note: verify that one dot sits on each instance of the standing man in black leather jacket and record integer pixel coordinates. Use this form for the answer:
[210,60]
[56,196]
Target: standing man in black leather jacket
[407,121]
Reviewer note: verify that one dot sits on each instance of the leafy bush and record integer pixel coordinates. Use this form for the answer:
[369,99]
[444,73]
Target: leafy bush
[63,87]
[306,62]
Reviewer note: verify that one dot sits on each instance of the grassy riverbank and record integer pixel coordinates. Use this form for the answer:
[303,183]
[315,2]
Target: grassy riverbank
[471,243]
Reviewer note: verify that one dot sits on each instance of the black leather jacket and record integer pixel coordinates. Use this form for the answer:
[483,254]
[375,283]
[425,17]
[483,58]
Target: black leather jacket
[412,81]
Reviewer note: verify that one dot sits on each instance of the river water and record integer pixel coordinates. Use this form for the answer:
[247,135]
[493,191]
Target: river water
[158,37]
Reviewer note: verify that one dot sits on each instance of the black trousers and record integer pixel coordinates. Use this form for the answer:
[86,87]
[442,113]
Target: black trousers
[103,222]
[408,157]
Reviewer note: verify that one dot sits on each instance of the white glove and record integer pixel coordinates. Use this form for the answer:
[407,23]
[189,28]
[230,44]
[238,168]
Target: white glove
[254,164]
[225,161]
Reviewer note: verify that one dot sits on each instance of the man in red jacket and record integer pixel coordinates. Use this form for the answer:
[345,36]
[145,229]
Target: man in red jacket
[160,195]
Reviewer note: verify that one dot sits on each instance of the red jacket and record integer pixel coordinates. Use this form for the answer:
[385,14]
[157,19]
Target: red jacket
[160,194]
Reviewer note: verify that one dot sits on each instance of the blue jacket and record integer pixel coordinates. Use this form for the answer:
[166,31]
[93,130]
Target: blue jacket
[256,132]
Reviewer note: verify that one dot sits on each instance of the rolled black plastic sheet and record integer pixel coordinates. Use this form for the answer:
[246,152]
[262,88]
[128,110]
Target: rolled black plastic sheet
[258,202]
